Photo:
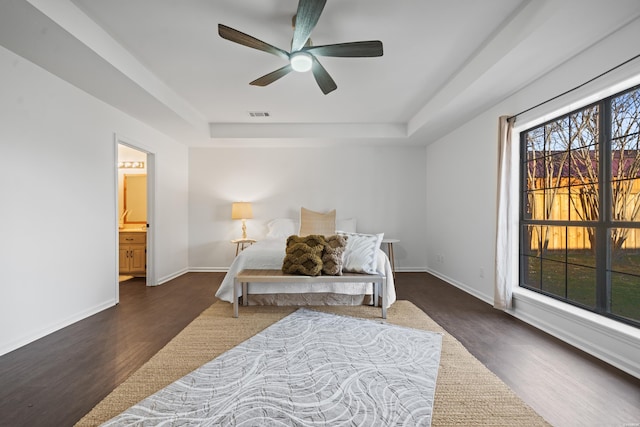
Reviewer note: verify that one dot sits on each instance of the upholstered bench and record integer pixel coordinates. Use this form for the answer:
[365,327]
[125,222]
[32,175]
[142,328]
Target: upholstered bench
[244,277]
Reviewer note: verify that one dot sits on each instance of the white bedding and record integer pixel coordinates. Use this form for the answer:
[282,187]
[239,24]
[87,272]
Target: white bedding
[269,254]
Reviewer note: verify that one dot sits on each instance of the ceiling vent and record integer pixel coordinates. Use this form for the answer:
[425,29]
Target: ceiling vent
[259,114]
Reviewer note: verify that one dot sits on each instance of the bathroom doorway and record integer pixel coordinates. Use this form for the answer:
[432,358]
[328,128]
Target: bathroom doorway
[134,214]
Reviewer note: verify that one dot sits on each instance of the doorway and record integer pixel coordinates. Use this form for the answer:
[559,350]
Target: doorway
[135,171]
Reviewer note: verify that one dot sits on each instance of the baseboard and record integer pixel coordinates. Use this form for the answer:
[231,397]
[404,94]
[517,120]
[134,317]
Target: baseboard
[412,270]
[486,298]
[172,276]
[208,269]
[9,347]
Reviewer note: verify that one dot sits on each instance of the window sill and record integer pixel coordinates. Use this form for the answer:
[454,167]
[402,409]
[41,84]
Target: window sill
[575,314]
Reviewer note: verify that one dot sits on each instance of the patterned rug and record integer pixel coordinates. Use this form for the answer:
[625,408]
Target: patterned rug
[310,368]
[467,393]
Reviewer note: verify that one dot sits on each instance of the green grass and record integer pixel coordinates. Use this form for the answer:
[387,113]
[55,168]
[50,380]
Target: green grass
[575,280]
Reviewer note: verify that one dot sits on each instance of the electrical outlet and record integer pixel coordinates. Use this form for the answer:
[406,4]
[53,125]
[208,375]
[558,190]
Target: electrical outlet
[481,272]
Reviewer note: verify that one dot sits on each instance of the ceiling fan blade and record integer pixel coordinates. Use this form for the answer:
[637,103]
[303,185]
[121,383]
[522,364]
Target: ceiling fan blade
[267,79]
[249,41]
[323,78]
[352,50]
[306,19]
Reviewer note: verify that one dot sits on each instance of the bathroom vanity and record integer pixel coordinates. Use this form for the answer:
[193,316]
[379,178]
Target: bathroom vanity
[133,252]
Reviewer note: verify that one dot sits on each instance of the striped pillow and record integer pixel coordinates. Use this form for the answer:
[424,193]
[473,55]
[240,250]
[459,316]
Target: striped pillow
[317,223]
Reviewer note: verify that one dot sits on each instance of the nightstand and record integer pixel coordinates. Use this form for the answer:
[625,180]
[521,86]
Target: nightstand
[242,243]
[392,259]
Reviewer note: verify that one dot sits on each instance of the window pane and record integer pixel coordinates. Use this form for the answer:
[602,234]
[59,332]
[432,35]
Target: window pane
[543,204]
[531,240]
[624,113]
[554,275]
[625,158]
[531,272]
[535,174]
[584,166]
[584,127]
[584,203]
[556,169]
[625,200]
[534,208]
[581,246]
[625,175]
[535,143]
[556,204]
[554,243]
[625,250]
[581,285]
[557,136]
[625,295]
[625,272]
[530,247]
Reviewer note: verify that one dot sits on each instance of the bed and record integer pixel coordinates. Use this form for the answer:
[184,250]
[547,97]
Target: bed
[269,253]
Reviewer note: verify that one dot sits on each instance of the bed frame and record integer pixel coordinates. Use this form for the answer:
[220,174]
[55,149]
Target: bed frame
[244,277]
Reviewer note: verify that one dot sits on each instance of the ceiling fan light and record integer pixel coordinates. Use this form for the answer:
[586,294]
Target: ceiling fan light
[301,61]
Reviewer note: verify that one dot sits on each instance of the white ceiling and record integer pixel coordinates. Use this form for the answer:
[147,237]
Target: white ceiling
[163,62]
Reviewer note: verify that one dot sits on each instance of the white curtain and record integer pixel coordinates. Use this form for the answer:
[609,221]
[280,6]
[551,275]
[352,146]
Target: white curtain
[507,222]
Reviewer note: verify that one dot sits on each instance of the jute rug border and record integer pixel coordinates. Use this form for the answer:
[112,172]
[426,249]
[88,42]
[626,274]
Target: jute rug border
[467,393]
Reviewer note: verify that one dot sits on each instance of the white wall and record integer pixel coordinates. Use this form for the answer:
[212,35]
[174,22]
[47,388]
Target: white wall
[382,187]
[461,230]
[58,190]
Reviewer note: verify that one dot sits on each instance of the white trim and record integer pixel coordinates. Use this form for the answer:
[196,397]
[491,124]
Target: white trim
[151,219]
[165,279]
[116,216]
[468,289]
[14,345]
[208,269]
[571,312]
[614,342]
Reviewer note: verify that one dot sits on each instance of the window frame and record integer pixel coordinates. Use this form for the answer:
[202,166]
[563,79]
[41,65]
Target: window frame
[602,225]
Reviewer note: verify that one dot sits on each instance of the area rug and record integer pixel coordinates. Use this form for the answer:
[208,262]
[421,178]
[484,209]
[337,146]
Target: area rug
[467,393]
[308,369]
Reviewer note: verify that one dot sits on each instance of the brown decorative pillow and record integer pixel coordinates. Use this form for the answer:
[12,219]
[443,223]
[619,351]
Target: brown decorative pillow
[304,255]
[332,255]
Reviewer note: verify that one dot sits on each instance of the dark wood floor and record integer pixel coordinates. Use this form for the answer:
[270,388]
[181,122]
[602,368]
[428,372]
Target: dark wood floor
[56,380]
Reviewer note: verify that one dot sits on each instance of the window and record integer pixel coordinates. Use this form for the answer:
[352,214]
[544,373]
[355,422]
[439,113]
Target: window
[580,207]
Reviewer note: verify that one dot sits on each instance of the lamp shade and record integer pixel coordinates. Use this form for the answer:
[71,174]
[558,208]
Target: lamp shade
[241,210]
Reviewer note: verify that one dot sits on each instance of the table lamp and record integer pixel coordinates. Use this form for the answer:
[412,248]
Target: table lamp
[242,210]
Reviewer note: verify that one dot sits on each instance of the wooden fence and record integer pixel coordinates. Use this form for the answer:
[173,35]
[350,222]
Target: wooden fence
[563,208]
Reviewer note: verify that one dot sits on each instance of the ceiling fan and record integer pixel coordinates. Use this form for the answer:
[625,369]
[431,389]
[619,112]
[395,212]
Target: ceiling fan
[302,56]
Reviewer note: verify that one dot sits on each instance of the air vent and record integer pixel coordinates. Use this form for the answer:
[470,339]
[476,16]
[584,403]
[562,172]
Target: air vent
[259,114]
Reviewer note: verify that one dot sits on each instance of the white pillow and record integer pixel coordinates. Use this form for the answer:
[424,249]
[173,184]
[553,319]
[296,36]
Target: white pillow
[281,228]
[361,252]
[346,225]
